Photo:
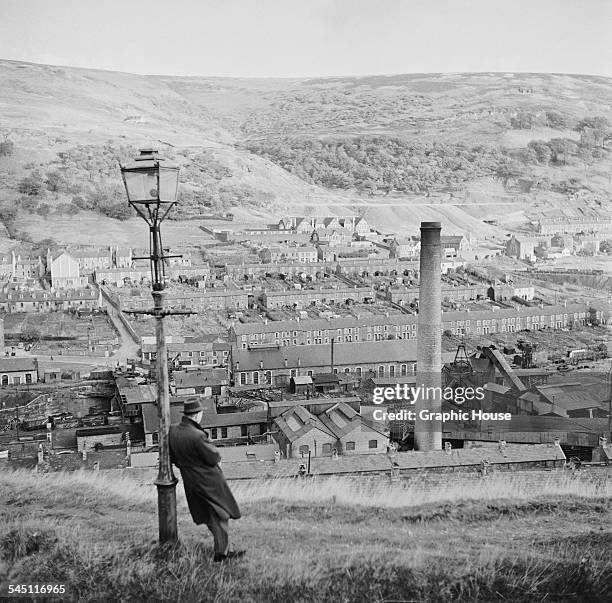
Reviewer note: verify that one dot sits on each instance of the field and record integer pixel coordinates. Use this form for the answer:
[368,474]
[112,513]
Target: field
[91,229]
[95,329]
[312,541]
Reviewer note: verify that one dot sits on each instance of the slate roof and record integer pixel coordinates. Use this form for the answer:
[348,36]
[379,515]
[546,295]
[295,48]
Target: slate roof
[231,419]
[201,378]
[366,463]
[8,365]
[306,420]
[397,350]
[314,404]
[149,411]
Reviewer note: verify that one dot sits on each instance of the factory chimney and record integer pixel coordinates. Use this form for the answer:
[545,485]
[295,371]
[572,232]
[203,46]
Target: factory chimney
[428,433]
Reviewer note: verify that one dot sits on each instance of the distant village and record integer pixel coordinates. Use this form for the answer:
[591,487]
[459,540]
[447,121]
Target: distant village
[295,325]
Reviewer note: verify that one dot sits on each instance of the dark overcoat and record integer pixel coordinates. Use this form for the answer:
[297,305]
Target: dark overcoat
[198,459]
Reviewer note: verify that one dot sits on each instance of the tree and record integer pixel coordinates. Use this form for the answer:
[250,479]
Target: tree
[554,119]
[593,130]
[31,185]
[542,151]
[524,120]
[562,149]
[54,181]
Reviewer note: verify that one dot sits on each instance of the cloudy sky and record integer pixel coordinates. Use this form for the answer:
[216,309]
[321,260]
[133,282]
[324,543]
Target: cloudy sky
[284,38]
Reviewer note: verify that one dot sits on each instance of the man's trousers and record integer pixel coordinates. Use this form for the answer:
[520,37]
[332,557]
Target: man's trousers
[219,529]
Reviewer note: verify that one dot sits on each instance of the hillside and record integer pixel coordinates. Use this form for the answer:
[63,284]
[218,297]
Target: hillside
[461,148]
[311,541]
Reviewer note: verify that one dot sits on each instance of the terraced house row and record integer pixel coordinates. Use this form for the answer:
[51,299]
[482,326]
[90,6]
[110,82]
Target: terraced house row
[404,326]
[47,301]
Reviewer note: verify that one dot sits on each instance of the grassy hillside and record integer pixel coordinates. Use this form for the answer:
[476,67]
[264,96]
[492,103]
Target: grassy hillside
[460,148]
[311,541]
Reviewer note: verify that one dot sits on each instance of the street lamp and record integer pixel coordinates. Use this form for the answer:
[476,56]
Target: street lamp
[151,184]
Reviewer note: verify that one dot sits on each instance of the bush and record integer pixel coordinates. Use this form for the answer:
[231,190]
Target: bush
[7,148]
[30,334]
[27,204]
[8,214]
[67,208]
[31,185]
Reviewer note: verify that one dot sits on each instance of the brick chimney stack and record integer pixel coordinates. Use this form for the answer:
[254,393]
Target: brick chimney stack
[428,434]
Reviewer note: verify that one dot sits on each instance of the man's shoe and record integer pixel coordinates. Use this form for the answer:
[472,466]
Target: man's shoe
[220,557]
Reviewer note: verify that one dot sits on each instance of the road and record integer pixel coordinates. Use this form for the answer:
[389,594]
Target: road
[128,348]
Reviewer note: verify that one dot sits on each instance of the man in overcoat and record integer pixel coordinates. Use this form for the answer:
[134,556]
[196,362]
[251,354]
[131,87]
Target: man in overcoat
[209,498]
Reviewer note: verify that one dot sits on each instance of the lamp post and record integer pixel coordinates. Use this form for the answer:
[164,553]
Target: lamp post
[151,184]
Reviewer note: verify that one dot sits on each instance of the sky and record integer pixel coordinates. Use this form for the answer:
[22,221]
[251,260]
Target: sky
[291,38]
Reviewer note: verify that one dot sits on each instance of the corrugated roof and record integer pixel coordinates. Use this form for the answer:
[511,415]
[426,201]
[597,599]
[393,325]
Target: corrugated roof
[131,392]
[573,396]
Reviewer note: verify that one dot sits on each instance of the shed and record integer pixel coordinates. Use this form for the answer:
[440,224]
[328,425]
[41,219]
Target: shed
[301,384]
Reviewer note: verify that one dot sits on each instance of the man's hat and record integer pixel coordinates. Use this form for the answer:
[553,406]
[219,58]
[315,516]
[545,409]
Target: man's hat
[192,406]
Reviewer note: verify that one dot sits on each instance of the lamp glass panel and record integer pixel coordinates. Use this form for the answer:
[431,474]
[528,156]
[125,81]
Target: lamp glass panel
[141,185]
[168,183]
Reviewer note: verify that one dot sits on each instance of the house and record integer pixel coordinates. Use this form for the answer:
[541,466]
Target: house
[276,365]
[122,257]
[453,245]
[299,432]
[187,351]
[404,248]
[524,248]
[361,227]
[25,268]
[25,300]
[92,258]
[223,429]
[18,371]
[331,236]
[301,254]
[313,295]
[209,382]
[339,430]
[130,395]
[65,271]
[354,434]
[237,427]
